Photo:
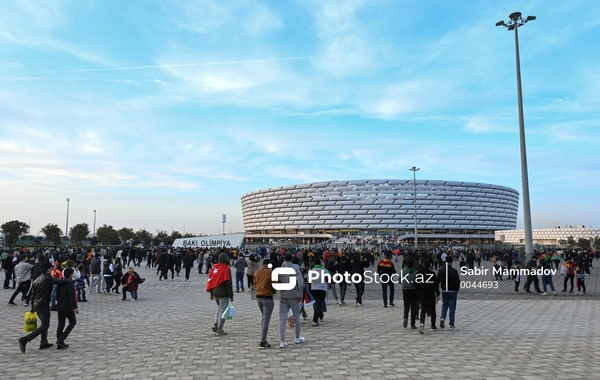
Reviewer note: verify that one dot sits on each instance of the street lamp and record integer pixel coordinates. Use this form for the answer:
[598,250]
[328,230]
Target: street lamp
[67,226]
[414,169]
[94,222]
[516,21]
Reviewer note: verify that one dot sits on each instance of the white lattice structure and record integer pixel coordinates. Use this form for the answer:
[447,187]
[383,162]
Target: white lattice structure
[549,236]
[443,208]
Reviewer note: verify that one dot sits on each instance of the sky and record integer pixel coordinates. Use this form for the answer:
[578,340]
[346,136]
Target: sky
[162,114]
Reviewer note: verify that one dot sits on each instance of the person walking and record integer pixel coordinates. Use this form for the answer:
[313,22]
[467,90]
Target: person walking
[409,292]
[429,292]
[290,300]
[319,288]
[23,274]
[263,285]
[188,264]
[252,267]
[532,278]
[240,265]
[570,275]
[66,306]
[546,265]
[385,270]
[117,276]
[40,303]
[221,290]
[450,283]
[107,273]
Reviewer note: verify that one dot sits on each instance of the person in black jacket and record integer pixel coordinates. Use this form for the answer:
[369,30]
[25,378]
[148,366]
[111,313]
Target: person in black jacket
[343,267]
[450,284]
[40,303]
[66,306]
[427,285]
[358,265]
[188,263]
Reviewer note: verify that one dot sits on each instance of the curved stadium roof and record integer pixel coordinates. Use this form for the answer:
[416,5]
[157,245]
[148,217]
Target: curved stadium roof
[381,204]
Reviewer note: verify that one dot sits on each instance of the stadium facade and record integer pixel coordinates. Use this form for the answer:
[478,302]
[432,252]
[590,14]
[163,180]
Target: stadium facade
[550,236]
[447,211]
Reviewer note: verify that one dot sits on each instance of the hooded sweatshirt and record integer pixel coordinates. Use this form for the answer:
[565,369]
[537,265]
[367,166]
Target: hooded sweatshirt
[298,290]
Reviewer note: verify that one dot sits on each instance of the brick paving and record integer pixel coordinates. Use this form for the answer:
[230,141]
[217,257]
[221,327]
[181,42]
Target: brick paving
[167,335]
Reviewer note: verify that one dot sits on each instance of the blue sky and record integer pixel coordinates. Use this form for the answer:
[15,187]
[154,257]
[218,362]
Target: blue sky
[162,114]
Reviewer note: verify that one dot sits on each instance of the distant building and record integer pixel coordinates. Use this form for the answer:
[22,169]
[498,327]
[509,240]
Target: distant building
[447,211]
[551,236]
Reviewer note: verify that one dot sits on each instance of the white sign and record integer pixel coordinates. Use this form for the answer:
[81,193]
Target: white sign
[216,241]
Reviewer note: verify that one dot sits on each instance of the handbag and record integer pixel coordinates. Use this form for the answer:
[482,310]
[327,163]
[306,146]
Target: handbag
[30,321]
[229,312]
[563,271]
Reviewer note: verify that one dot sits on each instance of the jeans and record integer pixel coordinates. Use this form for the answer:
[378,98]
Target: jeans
[384,287]
[285,305]
[343,289]
[449,302]
[547,280]
[81,293]
[334,291]
[61,332]
[410,303]
[250,279]
[239,281]
[43,312]
[266,306]
[53,296]
[222,304]
[125,289]
[360,290]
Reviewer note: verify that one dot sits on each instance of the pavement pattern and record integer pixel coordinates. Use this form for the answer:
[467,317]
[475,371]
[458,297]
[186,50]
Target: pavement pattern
[167,334]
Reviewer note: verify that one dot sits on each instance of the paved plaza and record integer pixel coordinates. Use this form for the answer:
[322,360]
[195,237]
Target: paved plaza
[167,334]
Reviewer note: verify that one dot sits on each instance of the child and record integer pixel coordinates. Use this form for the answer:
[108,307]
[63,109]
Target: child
[580,281]
[517,276]
[80,282]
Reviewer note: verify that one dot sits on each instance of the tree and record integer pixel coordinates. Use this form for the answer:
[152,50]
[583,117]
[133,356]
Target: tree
[53,233]
[161,237]
[12,230]
[597,243]
[79,232]
[570,242]
[108,235]
[584,243]
[126,234]
[189,235]
[143,237]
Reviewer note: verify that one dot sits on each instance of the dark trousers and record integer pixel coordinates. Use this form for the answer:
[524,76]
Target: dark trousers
[569,277]
[22,288]
[117,279]
[384,287]
[43,312]
[410,303]
[428,306]
[7,276]
[535,281]
[250,279]
[319,299]
[187,272]
[343,289]
[109,283]
[172,270]
[61,332]
[200,264]
[360,290]
[517,285]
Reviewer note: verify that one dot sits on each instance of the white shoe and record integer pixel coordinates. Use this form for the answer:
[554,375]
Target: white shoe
[283,345]
[133,300]
[300,340]
[544,293]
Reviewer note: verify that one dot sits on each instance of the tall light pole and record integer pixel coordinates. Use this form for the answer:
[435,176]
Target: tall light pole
[67,226]
[516,21]
[224,218]
[94,222]
[414,169]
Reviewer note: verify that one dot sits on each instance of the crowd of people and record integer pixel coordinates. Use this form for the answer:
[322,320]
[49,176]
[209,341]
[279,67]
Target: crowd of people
[59,279]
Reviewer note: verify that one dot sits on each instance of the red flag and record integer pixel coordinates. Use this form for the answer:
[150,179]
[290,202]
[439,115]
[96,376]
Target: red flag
[219,273]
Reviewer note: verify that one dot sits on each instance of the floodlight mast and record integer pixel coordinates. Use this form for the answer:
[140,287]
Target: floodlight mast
[516,21]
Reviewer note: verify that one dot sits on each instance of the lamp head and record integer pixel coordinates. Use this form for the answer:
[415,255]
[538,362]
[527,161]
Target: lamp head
[531,18]
[500,23]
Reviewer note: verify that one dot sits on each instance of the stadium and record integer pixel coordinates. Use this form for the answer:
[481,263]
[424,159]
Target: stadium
[447,212]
